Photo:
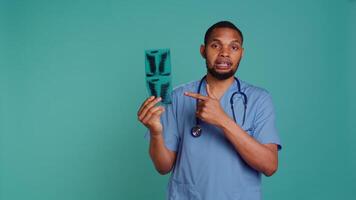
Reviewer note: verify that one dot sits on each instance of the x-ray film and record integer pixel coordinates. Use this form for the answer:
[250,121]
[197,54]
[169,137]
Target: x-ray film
[158,74]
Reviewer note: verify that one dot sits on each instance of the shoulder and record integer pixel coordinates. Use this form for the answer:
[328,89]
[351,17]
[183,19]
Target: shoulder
[186,87]
[259,99]
[254,93]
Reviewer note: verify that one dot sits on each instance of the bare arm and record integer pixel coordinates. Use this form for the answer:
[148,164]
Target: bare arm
[149,115]
[162,157]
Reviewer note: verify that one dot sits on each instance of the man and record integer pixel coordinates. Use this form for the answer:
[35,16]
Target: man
[237,140]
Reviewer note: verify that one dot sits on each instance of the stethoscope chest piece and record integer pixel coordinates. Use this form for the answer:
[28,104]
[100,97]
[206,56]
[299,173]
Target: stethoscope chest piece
[196,131]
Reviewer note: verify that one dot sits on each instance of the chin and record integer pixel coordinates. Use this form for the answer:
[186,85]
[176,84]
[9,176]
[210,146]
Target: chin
[221,76]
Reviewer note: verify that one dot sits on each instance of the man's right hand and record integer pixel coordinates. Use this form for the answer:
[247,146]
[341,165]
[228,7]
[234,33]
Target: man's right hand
[149,115]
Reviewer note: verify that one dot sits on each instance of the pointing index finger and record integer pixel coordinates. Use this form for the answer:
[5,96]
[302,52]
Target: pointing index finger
[196,96]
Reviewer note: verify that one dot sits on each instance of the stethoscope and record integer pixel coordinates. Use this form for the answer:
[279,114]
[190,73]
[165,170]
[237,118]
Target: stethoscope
[197,129]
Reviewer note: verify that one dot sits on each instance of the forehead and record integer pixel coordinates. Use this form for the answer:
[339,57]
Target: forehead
[225,34]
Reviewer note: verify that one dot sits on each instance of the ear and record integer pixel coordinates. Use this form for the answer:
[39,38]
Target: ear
[202,51]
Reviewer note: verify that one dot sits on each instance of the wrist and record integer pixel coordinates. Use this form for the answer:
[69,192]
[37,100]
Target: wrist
[155,134]
[225,122]
[156,138]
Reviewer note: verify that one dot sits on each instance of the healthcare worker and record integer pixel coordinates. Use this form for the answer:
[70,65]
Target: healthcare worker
[218,136]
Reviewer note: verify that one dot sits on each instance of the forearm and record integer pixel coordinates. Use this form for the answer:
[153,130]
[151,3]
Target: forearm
[160,155]
[255,154]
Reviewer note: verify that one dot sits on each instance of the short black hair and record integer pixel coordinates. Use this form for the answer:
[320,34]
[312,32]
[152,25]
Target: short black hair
[222,24]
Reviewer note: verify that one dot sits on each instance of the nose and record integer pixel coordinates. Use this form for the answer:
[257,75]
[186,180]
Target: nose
[224,52]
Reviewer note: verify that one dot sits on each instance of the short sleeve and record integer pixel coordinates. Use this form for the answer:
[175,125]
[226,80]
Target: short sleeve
[170,127]
[265,128]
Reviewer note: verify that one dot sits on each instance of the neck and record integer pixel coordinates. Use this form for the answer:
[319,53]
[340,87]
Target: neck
[218,87]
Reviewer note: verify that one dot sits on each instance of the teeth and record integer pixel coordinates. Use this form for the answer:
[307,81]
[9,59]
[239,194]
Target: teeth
[222,65]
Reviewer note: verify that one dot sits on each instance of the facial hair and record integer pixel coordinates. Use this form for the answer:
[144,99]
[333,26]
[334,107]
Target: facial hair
[221,76]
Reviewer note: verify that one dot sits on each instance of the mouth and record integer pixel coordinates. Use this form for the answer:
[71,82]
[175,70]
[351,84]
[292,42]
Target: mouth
[223,64]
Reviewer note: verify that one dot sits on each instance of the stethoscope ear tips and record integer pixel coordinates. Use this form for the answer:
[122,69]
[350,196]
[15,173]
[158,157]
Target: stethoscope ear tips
[196,131]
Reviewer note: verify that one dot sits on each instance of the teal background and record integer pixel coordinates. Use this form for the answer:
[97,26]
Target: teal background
[72,79]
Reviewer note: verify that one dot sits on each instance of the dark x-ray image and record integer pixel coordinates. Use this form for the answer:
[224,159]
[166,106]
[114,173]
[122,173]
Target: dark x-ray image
[158,73]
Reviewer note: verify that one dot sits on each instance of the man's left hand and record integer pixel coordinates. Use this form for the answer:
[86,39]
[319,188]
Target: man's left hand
[209,108]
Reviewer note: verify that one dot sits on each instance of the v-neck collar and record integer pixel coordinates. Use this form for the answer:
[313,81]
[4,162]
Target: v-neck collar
[232,88]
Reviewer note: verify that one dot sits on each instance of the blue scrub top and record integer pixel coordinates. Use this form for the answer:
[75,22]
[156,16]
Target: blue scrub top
[209,167]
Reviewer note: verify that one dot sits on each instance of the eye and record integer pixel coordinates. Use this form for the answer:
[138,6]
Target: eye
[215,46]
[235,47]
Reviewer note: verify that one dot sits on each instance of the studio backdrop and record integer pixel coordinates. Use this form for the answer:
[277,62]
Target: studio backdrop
[72,78]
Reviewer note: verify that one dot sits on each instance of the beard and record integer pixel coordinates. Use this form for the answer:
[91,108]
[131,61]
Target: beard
[219,75]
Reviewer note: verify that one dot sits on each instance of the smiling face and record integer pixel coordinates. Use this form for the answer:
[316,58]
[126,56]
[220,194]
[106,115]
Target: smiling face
[222,52]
